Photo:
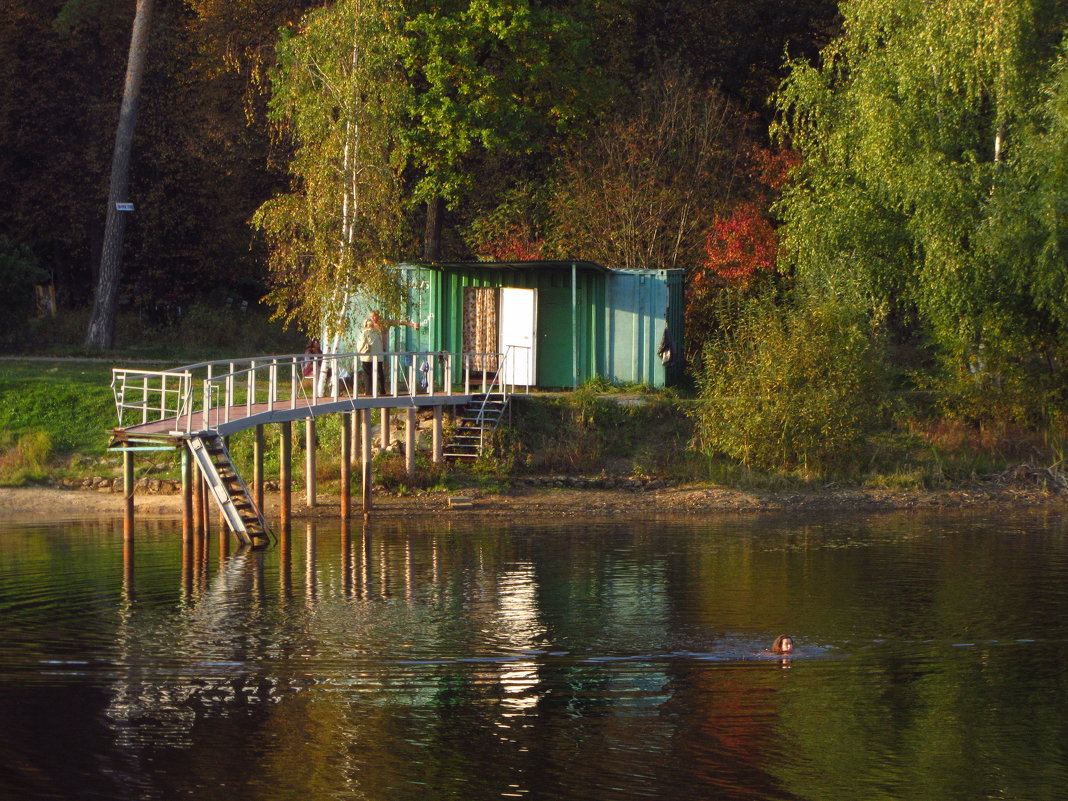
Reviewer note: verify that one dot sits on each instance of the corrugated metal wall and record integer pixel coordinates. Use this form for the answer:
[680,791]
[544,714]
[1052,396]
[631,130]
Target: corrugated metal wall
[621,317]
[640,305]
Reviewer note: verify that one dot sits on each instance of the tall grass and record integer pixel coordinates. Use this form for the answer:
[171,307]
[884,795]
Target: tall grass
[24,459]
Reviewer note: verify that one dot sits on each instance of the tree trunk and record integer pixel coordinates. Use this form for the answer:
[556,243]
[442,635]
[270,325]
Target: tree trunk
[101,332]
[432,234]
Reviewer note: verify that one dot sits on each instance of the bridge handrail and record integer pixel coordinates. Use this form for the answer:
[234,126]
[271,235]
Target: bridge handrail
[144,396]
[152,396]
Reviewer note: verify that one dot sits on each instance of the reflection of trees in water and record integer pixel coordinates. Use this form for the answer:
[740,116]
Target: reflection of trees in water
[235,656]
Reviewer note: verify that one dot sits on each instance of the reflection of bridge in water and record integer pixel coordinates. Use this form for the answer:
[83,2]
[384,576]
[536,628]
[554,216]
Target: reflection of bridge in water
[197,407]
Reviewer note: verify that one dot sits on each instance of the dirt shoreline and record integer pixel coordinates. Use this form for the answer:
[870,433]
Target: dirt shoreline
[563,502]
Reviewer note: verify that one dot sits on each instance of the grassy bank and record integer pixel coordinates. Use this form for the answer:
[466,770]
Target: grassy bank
[55,417]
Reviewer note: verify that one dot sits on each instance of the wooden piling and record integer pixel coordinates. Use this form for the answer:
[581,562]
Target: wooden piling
[346,469]
[436,452]
[385,435]
[285,472]
[365,460]
[257,467]
[354,430]
[128,490]
[309,461]
[187,495]
[409,441]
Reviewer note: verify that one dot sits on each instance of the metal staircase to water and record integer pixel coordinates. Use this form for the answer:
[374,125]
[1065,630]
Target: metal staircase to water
[478,420]
[228,489]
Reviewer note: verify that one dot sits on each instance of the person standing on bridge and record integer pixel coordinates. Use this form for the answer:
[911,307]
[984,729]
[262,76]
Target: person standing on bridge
[372,343]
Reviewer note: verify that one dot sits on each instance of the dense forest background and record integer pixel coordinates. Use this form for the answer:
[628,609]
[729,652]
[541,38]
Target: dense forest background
[205,155]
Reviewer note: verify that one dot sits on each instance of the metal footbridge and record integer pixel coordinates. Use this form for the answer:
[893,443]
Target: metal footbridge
[198,406]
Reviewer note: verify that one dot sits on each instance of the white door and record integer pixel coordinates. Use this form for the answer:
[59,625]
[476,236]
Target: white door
[519,314]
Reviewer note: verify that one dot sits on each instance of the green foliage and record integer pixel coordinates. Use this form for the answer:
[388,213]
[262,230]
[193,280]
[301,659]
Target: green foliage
[18,275]
[1028,228]
[792,388]
[490,76]
[513,229]
[905,128]
[390,471]
[588,432]
[70,403]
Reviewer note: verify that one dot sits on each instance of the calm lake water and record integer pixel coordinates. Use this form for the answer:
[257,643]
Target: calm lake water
[570,660]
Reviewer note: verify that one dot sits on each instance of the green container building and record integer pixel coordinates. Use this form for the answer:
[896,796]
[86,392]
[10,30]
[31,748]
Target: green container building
[566,321]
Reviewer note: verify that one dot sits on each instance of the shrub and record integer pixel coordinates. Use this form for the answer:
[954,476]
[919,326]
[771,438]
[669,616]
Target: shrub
[996,386]
[791,388]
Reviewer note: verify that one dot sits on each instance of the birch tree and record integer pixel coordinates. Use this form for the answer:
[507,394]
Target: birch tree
[338,94]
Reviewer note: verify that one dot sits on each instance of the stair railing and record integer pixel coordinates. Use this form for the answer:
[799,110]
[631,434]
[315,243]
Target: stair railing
[505,367]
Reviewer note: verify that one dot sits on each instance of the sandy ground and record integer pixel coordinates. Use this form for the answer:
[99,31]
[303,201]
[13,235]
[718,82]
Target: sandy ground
[545,502]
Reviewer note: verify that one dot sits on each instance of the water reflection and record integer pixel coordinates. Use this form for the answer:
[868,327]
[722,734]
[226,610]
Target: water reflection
[614,662]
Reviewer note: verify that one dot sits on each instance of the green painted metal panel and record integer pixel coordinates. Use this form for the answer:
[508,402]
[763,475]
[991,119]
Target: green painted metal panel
[620,315]
[555,363]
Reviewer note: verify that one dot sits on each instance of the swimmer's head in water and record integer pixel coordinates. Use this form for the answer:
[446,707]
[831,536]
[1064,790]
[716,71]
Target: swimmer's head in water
[783,644]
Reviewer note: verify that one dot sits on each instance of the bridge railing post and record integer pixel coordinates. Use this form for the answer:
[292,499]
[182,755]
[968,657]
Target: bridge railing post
[229,391]
[272,384]
[144,399]
[206,408]
[187,392]
[294,382]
